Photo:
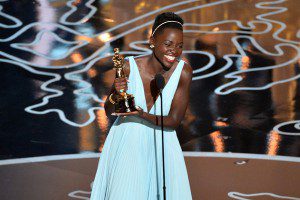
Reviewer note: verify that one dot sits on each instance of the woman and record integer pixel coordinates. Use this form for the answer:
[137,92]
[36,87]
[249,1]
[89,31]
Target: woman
[130,167]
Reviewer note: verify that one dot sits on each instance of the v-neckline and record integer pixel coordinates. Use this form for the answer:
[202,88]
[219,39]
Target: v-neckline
[154,103]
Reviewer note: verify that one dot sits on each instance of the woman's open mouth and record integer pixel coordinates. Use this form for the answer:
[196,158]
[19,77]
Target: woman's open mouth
[170,58]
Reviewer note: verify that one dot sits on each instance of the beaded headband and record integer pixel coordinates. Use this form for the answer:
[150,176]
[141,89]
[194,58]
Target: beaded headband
[163,24]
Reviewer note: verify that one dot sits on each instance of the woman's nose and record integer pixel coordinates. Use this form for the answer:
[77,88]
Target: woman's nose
[172,49]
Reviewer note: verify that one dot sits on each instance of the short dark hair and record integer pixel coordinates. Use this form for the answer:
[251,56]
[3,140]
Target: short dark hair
[167,16]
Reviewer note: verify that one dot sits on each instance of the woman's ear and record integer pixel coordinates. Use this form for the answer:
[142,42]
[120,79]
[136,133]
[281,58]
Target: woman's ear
[151,42]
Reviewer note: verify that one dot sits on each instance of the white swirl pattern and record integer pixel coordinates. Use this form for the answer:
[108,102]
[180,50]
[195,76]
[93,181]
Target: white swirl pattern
[51,29]
[242,196]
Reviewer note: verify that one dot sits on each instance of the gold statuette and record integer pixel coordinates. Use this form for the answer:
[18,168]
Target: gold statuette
[124,102]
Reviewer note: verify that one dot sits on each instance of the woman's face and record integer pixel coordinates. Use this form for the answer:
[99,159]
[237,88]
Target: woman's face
[168,46]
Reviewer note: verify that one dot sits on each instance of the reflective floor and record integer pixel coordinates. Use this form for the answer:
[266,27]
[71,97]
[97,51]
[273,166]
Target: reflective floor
[56,72]
[212,176]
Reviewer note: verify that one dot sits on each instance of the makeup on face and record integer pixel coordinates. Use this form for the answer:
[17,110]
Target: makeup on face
[168,46]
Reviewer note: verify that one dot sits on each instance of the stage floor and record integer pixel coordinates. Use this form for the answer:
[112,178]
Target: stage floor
[213,176]
[56,72]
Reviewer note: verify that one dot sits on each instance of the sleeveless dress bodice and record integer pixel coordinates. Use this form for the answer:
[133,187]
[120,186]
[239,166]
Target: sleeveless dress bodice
[130,165]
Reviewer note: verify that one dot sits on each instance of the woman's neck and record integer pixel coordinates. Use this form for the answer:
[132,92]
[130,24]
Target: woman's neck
[156,65]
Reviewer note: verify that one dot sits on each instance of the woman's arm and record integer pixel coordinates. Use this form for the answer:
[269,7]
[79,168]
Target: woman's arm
[119,83]
[179,103]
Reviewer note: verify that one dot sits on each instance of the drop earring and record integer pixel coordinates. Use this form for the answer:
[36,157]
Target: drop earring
[151,46]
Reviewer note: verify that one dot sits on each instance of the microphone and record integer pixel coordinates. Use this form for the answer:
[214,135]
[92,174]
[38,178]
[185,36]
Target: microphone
[159,81]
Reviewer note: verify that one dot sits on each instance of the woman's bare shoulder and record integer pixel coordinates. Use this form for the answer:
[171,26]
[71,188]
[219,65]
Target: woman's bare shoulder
[139,60]
[126,67]
[142,58]
[187,72]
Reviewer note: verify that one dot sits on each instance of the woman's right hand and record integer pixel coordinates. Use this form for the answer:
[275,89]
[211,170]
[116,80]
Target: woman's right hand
[120,84]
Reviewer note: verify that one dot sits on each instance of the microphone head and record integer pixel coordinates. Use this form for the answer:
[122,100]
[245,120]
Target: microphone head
[159,81]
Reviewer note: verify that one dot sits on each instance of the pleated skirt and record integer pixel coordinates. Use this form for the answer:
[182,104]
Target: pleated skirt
[130,165]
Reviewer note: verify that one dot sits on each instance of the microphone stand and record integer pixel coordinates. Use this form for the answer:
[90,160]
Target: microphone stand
[160,83]
[162,139]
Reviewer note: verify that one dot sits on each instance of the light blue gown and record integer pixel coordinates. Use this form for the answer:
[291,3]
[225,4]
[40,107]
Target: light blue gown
[130,165]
